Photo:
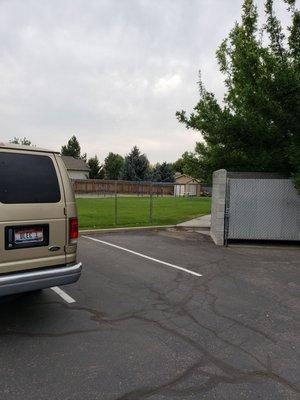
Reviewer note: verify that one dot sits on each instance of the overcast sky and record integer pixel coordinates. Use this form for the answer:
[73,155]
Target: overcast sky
[112,72]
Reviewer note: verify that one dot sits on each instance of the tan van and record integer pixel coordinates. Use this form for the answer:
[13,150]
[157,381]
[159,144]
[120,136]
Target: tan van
[38,221]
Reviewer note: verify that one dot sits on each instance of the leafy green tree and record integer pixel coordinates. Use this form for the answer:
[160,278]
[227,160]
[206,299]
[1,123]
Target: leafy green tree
[72,148]
[113,165]
[96,170]
[178,165]
[22,141]
[136,166]
[162,172]
[257,128]
[191,164]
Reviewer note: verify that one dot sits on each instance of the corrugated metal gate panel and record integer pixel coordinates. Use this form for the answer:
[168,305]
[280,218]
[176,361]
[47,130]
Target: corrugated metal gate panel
[263,209]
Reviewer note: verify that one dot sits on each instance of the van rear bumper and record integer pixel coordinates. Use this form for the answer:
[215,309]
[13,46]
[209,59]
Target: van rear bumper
[40,279]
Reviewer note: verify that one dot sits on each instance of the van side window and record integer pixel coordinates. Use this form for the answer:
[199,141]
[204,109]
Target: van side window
[27,178]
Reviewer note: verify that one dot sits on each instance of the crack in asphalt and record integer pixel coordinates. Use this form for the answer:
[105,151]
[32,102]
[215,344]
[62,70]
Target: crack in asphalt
[212,382]
[230,374]
[169,308]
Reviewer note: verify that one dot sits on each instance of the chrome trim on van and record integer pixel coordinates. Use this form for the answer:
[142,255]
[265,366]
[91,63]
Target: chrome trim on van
[13,283]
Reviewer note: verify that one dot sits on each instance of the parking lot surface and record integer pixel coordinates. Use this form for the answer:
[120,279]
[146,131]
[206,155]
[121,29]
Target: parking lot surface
[159,316]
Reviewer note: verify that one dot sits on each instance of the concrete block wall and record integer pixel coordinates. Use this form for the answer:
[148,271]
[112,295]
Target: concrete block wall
[218,206]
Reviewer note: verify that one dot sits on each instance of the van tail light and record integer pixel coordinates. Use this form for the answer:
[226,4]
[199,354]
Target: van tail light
[73,230]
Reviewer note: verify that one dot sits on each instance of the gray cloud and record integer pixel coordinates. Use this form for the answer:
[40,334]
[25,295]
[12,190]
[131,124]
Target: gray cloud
[113,72]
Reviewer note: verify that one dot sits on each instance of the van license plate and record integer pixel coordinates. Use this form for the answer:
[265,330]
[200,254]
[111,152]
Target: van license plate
[25,236]
[33,235]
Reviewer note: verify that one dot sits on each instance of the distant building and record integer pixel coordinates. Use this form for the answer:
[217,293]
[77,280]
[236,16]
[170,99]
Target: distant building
[186,186]
[77,169]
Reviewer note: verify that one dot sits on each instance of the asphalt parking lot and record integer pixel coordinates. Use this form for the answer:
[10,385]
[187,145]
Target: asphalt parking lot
[137,326]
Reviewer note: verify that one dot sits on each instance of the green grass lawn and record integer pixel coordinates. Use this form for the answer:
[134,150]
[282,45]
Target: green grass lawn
[134,211]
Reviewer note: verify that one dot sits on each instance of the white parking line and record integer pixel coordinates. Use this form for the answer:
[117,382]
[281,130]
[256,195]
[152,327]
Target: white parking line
[188,271]
[63,294]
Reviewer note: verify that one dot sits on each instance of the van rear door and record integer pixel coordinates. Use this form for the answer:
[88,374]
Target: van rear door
[32,211]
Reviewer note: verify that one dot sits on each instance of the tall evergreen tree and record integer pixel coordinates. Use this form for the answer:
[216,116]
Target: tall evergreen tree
[113,165]
[162,172]
[258,126]
[72,148]
[136,166]
[96,170]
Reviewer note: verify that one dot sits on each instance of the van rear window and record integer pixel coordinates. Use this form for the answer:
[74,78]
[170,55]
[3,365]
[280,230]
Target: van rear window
[26,178]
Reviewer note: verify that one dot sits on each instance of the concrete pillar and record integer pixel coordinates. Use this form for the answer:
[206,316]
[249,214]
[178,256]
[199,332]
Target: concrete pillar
[218,206]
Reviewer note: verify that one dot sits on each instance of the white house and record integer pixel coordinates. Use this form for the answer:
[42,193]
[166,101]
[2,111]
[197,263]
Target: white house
[77,169]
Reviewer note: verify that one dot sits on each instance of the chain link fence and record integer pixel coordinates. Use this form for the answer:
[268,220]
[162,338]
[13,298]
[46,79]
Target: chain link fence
[263,209]
[254,206]
[126,203]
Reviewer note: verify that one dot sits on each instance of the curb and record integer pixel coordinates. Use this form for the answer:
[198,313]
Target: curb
[125,229]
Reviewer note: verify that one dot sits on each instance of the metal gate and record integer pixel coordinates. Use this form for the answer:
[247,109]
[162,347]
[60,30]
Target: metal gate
[262,209]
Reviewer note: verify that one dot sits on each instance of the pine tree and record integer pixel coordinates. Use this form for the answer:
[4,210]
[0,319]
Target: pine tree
[96,170]
[72,148]
[163,172]
[113,165]
[136,166]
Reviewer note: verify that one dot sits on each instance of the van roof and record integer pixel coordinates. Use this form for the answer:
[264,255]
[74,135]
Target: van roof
[28,148]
